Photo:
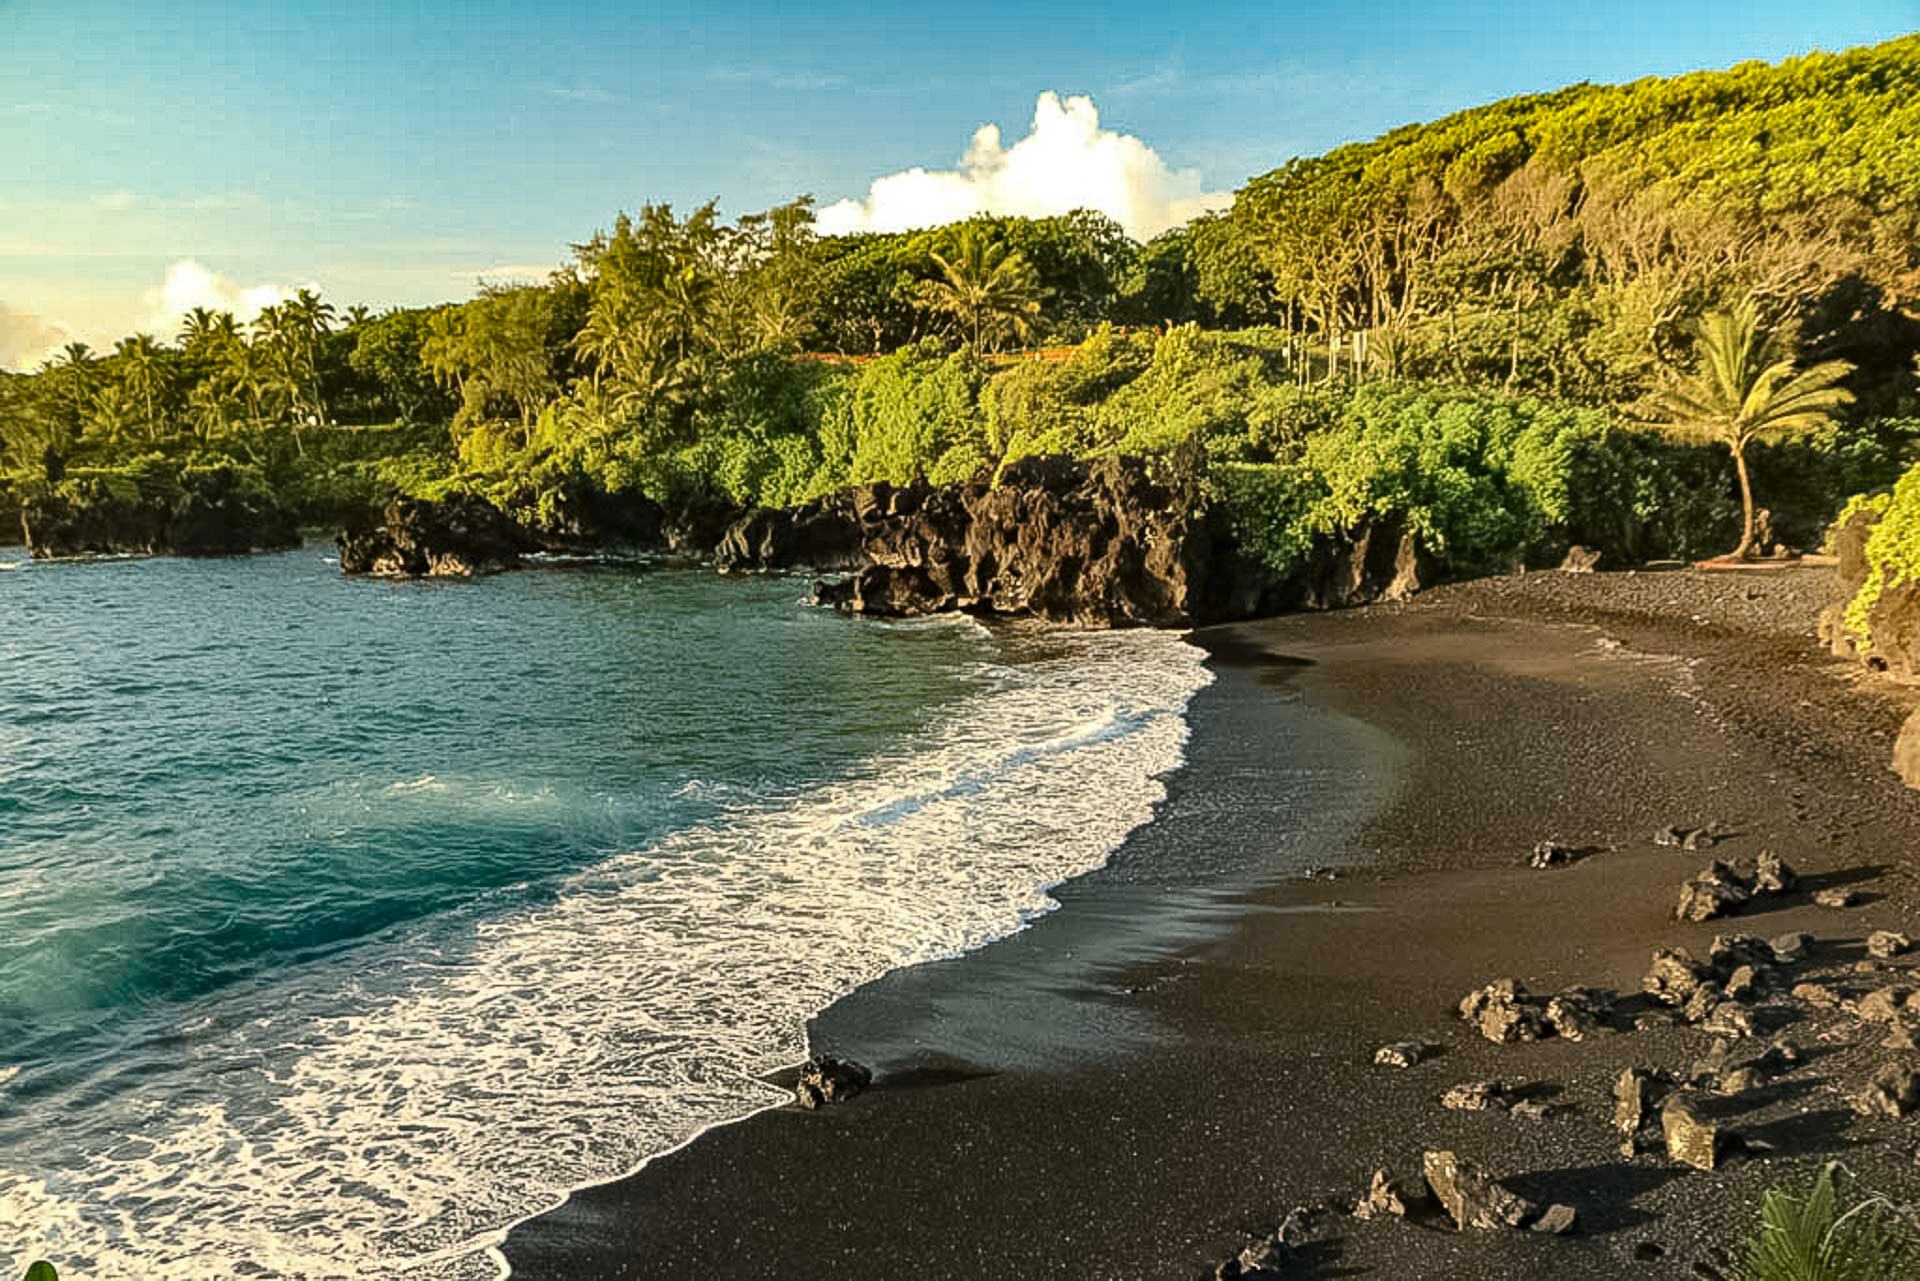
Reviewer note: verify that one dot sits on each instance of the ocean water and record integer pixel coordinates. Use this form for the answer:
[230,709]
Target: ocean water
[345,923]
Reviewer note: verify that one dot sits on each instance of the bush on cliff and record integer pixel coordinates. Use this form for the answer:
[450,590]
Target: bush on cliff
[1890,556]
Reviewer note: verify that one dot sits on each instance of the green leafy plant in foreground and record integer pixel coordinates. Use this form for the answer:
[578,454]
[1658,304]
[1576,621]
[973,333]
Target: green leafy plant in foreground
[1810,1238]
[42,1271]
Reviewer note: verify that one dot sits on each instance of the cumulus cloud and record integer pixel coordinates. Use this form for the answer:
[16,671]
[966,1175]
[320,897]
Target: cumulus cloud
[27,339]
[1067,161]
[188,285]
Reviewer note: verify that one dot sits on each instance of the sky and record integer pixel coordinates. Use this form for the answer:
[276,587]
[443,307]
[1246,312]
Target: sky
[155,157]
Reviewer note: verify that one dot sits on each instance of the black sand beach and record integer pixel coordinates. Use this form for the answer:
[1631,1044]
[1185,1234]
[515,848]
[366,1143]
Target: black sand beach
[1184,1052]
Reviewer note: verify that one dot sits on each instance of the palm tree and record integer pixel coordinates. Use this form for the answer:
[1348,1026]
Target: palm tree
[76,360]
[146,374]
[986,289]
[1747,389]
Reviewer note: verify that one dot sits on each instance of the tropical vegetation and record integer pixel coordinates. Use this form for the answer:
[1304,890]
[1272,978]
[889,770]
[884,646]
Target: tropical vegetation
[1470,324]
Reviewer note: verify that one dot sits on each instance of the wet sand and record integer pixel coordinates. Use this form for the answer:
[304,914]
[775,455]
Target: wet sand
[1184,1052]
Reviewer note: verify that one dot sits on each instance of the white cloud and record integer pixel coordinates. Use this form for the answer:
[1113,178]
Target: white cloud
[508,273]
[189,285]
[27,339]
[1066,162]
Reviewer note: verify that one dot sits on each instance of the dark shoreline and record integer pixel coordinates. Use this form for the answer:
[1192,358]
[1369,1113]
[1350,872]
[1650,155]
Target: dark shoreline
[1142,1079]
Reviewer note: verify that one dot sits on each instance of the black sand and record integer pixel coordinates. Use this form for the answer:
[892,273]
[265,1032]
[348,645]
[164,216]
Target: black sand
[1184,1052]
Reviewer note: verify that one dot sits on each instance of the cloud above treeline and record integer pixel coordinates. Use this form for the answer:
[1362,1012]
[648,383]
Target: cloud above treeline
[1067,161]
[188,284]
[27,339]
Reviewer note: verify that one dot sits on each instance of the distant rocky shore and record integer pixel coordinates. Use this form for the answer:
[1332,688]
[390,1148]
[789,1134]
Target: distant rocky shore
[1103,543]
[204,512]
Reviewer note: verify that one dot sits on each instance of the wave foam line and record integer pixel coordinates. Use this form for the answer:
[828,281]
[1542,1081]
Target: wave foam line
[394,1111]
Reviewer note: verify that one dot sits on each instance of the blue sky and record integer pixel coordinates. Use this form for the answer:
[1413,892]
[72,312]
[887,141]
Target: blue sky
[392,153]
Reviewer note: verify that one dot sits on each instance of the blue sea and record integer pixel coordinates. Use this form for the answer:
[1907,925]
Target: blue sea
[345,923]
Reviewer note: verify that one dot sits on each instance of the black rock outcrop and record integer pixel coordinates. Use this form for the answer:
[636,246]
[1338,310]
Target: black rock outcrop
[211,511]
[460,537]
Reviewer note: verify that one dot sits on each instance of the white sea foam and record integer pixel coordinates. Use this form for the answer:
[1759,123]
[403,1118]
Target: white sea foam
[391,1112]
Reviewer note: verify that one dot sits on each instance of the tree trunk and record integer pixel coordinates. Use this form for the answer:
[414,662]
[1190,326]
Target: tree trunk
[1745,550]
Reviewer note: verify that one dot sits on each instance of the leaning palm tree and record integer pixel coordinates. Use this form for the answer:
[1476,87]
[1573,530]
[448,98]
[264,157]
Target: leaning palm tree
[986,289]
[1747,388]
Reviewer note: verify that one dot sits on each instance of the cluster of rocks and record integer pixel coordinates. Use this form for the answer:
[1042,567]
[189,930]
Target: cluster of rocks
[1467,1195]
[824,1080]
[1723,888]
[1505,1012]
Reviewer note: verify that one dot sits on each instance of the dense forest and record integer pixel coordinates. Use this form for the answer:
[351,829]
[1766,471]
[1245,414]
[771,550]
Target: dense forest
[1478,323]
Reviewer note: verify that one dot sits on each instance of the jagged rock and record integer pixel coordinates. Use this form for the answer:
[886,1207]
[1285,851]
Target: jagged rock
[1388,1196]
[1551,854]
[578,514]
[1701,1005]
[1558,1220]
[1718,891]
[1816,995]
[1901,1038]
[460,537]
[1836,897]
[825,1079]
[1476,1096]
[1772,875]
[1881,1006]
[1675,976]
[1635,1094]
[1690,839]
[1471,1198]
[1535,1110]
[1893,1091]
[1099,543]
[1504,1012]
[1886,944]
[1402,1054]
[1691,1138]
[1738,1080]
[1731,951]
[1743,984]
[1791,949]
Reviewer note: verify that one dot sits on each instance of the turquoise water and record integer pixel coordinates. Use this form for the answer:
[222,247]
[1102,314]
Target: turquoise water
[345,922]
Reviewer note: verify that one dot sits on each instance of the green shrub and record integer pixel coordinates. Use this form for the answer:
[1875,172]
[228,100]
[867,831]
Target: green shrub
[1892,551]
[1810,1238]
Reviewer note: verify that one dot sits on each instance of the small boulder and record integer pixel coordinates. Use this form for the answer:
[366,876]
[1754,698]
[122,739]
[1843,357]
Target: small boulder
[1743,984]
[1719,890]
[1674,976]
[1504,1013]
[1535,1110]
[1886,944]
[1551,854]
[1402,1054]
[1701,1005]
[1471,1198]
[1901,1038]
[1730,1019]
[1791,949]
[1738,1080]
[1476,1096]
[1580,560]
[1578,1011]
[1836,897]
[1880,1006]
[825,1079]
[1691,1138]
[1558,1220]
[1816,995]
[1894,1091]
